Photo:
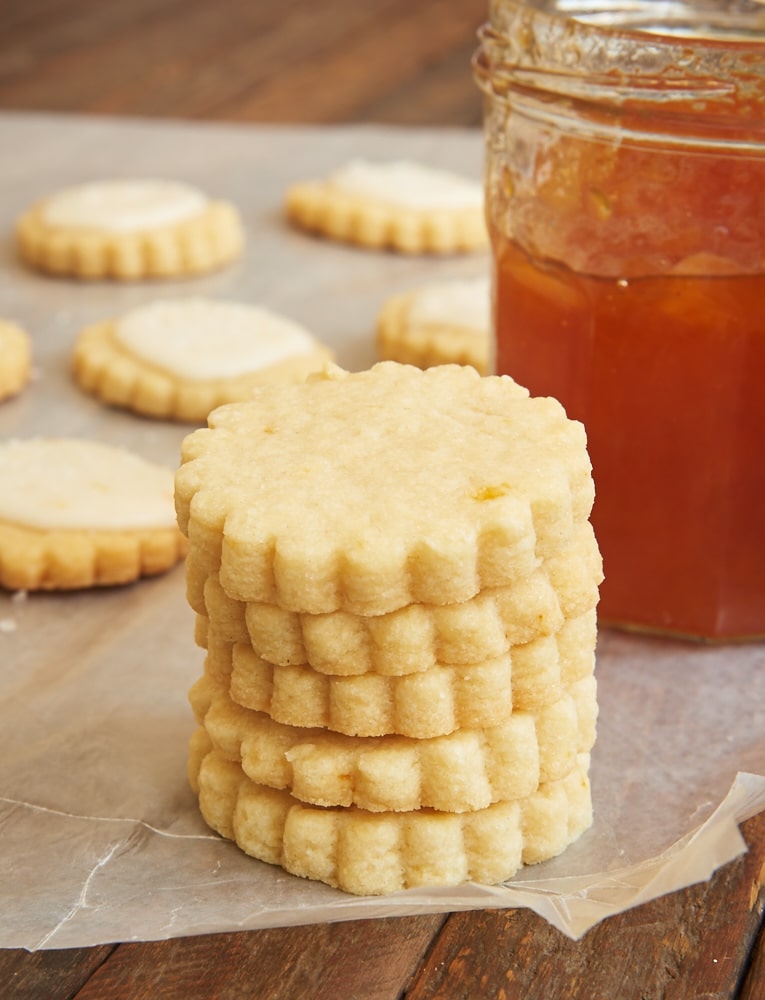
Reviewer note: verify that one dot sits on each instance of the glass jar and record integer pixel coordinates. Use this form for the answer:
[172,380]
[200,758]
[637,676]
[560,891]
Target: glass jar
[625,185]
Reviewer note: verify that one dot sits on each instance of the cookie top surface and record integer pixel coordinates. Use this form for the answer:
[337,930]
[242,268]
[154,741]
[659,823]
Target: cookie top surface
[407,184]
[374,489]
[452,303]
[123,206]
[71,484]
[200,338]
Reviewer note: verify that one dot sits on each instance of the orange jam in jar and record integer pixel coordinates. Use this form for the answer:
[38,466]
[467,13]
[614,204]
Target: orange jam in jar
[625,184]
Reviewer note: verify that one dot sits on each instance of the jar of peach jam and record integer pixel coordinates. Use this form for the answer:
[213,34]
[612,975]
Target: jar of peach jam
[625,183]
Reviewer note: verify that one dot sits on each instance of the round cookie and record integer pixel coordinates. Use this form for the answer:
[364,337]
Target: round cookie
[179,359]
[419,636]
[369,491]
[376,853]
[429,703]
[15,359]
[129,230]
[401,206]
[457,772]
[421,705]
[76,513]
[443,323]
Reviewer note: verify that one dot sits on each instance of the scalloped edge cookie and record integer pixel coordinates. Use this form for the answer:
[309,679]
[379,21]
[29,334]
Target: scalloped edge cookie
[109,370]
[417,636]
[76,560]
[421,705]
[442,336]
[484,483]
[540,670]
[462,771]
[15,358]
[430,703]
[207,241]
[42,552]
[337,212]
[379,853]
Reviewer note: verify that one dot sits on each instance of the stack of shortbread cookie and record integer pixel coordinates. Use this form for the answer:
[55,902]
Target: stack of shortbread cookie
[395,579]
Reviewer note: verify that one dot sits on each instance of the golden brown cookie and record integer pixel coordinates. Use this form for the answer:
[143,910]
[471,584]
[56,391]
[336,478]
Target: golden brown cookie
[383,524]
[443,323]
[366,492]
[15,358]
[410,639]
[401,206]
[417,636]
[77,513]
[428,703]
[465,770]
[422,704]
[129,229]
[374,853]
[179,359]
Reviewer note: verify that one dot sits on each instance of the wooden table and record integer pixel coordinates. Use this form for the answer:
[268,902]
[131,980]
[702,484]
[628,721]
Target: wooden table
[390,61]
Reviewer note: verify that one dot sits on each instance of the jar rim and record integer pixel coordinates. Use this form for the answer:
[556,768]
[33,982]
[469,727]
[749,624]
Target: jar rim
[734,24]
[537,50]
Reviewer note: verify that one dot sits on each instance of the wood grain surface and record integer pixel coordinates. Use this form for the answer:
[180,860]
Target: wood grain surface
[232,60]
[391,61]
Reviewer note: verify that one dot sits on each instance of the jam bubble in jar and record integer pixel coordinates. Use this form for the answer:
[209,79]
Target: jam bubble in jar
[625,187]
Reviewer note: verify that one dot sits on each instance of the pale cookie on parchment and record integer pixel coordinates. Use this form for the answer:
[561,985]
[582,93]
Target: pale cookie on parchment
[400,205]
[369,491]
[15,358]
[76,513]
[415,637]
[369,853]
[459,771]
[179,359]
[443,323]
[129,229]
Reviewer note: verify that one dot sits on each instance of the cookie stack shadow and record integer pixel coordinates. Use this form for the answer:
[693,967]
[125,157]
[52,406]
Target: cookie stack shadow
[431,744]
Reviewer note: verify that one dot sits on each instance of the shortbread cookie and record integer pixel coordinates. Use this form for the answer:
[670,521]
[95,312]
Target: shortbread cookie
[443,323]
[410,639]
[370,853]
[402,206]
[541,666]
[77,513]
[418,636]
[129,230]
[463,770]
[179,359]
[425,704]
[15,358]
[541,671]
[366,492]
[430,703]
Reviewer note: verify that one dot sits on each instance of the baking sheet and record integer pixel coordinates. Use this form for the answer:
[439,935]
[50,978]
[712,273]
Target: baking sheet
[100,837]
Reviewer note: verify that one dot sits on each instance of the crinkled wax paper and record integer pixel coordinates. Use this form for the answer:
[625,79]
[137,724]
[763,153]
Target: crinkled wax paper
[100,838]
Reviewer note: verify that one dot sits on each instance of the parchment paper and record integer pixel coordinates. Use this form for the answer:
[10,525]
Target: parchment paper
[100,838]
